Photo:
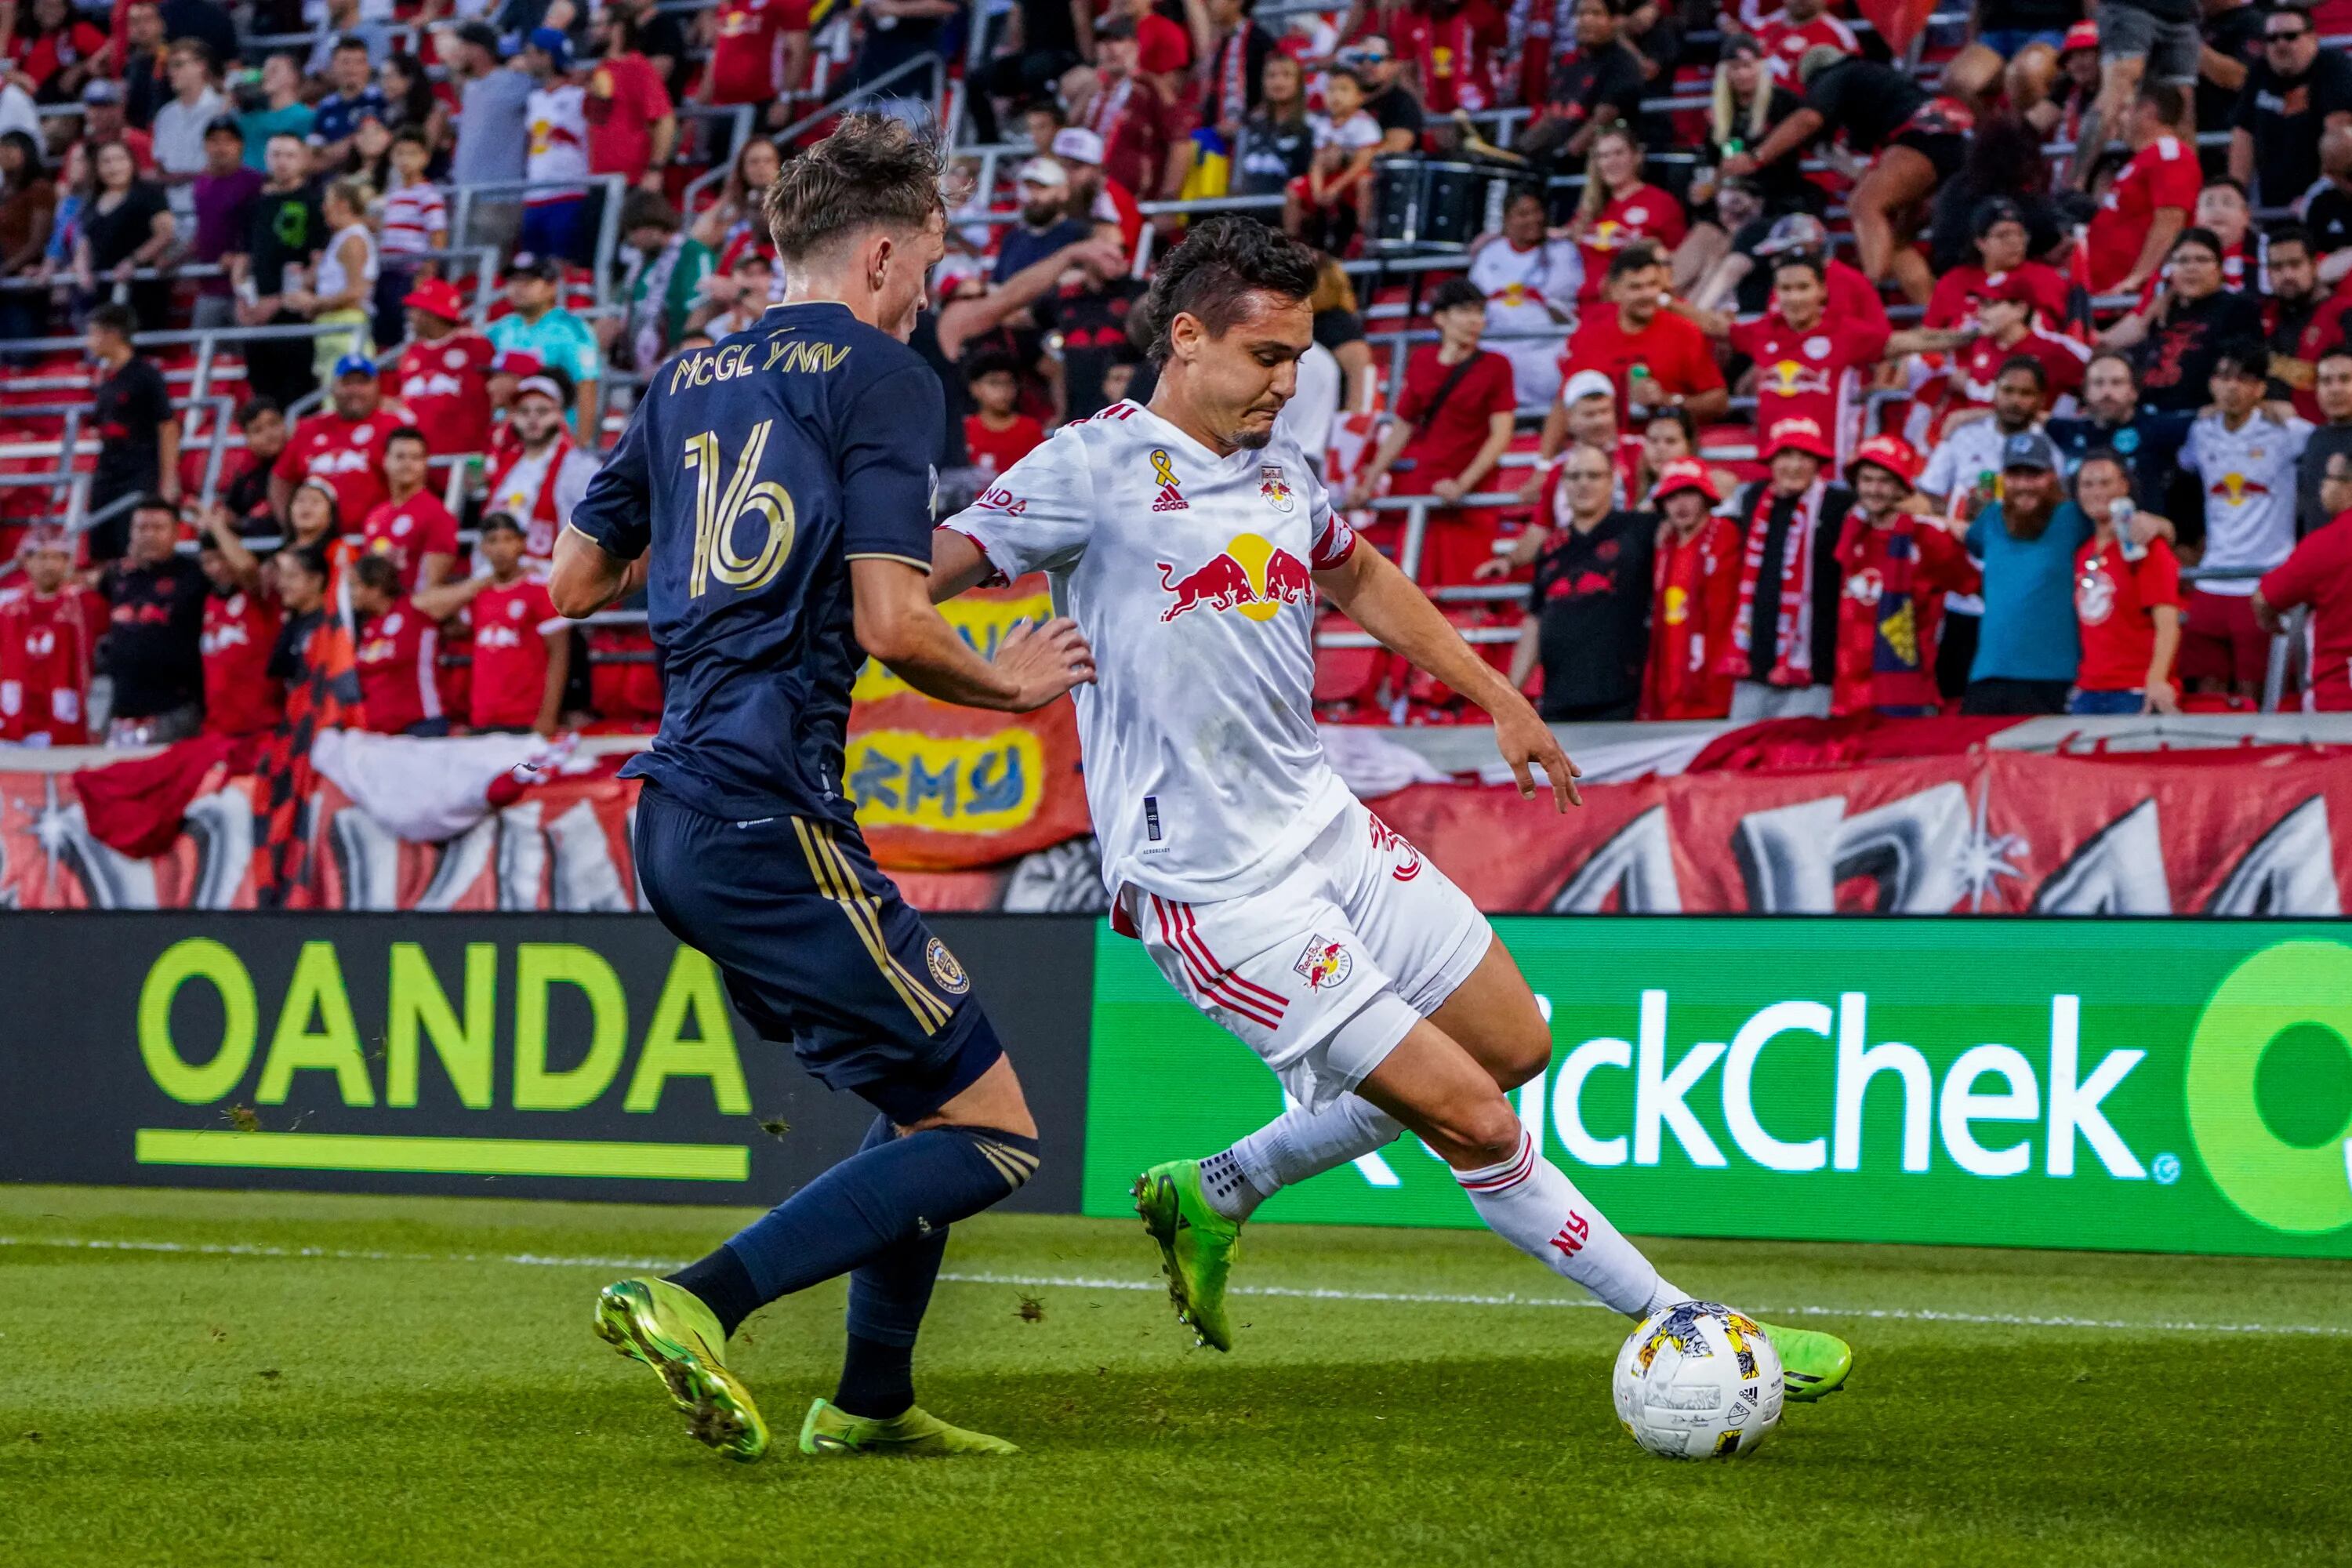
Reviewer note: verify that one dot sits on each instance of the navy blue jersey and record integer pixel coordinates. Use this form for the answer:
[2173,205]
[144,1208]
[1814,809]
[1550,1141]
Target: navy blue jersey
[756,471]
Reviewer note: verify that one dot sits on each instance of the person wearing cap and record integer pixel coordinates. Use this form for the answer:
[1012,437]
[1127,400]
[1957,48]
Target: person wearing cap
[538,325]
[1589,606]
[341,446]
[2071,92]
[103,119]
[2126,601]
[343,285]
[1915,140]
[241,624]
[2007,330]
[2027,646]
[1045,223]
[1898,567]
[1781,652]
[554,207]
[441,375]
[1531,281]
[1656,357]
[1586,411]
[735,303]
[1277,141]
[1452,423]
[1106,203]
[543,475]
[282,112]
[2000,260]
[49,635]
[355,97]
[1694,595]
[221,199]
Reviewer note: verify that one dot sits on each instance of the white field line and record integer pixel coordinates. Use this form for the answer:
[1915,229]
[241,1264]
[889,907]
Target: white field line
[1094,1282]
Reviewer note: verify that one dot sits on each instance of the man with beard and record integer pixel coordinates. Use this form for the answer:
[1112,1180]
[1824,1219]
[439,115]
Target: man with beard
[342,446]
[2029,647]
[1963,473]
[2296,325]
[2332,393]
[1897,569]
[2147,442]
[1782,649]
[1045,225]
[542,476]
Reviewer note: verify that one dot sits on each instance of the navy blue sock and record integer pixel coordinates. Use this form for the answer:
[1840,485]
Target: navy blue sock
[724,1287]
[889,1193]
[887,1298]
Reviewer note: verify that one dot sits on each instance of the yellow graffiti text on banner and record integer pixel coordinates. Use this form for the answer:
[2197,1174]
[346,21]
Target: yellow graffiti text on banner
[947,783]
[979,621]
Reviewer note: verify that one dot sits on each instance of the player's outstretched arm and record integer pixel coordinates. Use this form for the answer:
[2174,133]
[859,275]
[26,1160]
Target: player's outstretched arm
[1377,597]
[897,624]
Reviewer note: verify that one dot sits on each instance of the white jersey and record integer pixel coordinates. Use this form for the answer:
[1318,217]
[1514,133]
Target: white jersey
[2249,478]
[1521,287]
[1187,575]
[558,118]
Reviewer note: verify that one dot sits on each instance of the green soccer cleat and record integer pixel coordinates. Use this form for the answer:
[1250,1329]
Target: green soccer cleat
[1812,1366]
[832,1430]
[666,1327]
[1198,1247]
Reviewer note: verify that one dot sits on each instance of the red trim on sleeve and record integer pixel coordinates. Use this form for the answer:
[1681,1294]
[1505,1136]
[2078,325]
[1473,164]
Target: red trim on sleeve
[996,577]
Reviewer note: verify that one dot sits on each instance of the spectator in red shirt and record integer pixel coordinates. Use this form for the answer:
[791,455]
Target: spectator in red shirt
[1657,359]
[632,125]
[49,631]
[1134,114]
[1618,207]
[2001,241]
[2126,601]
[1452,425]
[1808,364]
[2319,575]
[1898,567]
[410,527]
[2148,204]
[522,648]
[443,376]
[60,52]
[749,39]
[999,434]
[240,628]
[398,649]
[343,448]
[1695,592]
[1799,25]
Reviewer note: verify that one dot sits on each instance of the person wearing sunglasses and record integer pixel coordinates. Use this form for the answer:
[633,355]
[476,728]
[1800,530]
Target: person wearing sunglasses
[2293,94]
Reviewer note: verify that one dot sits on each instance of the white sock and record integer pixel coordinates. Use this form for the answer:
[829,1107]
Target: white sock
[1296,1146]
[1530,1203]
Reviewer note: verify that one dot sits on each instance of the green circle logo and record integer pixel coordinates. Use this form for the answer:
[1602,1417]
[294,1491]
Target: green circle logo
[2268,1102]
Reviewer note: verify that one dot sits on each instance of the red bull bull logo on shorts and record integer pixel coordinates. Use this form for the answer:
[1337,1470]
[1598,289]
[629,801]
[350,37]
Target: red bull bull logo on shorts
[1324,963]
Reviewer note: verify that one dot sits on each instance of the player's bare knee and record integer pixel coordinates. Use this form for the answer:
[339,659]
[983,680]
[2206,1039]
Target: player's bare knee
[1476,1131]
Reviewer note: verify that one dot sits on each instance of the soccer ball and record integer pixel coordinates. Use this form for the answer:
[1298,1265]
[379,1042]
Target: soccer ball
[1698,1381]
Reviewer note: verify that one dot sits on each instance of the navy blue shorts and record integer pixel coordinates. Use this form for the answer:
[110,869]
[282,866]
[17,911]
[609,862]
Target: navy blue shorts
[818,949]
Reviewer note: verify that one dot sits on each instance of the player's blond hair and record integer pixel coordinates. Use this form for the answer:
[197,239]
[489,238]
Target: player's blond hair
[872,170]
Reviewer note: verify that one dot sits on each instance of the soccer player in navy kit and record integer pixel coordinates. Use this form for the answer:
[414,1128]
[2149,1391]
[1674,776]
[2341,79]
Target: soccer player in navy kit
[773,494]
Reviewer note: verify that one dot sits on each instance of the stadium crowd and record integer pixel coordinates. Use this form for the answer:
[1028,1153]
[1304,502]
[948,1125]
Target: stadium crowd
[1767,372]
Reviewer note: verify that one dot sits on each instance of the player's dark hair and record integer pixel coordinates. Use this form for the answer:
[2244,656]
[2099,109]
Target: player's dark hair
[409,433]
[1455,293]
[1638,256]
[2289,232]
[1216,267]
[377,571]
[872,170]
[2249,357]
[501,520]
[1803,260]
[2025,365]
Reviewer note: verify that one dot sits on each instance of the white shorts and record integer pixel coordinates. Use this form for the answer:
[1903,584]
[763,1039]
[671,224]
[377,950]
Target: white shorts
[1324,971]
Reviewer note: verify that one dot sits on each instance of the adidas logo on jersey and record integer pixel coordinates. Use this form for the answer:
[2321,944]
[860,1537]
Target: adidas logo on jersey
[1169,498]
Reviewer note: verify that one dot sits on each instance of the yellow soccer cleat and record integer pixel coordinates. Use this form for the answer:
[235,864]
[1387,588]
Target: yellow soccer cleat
[832,1430]
[666,1327]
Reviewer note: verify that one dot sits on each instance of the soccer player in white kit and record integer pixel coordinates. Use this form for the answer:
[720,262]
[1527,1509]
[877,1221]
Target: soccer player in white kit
[1190,542]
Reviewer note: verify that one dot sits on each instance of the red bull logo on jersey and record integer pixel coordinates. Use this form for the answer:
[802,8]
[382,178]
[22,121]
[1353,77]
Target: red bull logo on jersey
[2237,487]
[1324,963]
[1164,472]
[1274,487]
[1251,575]
[1795,378]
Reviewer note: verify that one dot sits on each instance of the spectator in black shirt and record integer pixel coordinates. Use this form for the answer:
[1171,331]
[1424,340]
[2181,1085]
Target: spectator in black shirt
[2178,338]
[2291,313]
[1589,607]
[1041,40]
[286,230]
[1598,85]
[1088,325]
[154,624]
[1749,101]
[128,226]
[2232,34]
[1388,100]
[2329,213]
[2293,95]
[2148,442]
[1916,140]
[137,439]
[2006,161]
[146,87]
[247,497]
[1276,142]
[1045,223]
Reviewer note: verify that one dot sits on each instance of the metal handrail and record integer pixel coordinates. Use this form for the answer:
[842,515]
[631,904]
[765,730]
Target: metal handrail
[930,63]
[740,114]
[616,187]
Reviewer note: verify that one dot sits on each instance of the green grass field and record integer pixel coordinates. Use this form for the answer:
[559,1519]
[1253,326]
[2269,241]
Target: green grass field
[236,1378]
